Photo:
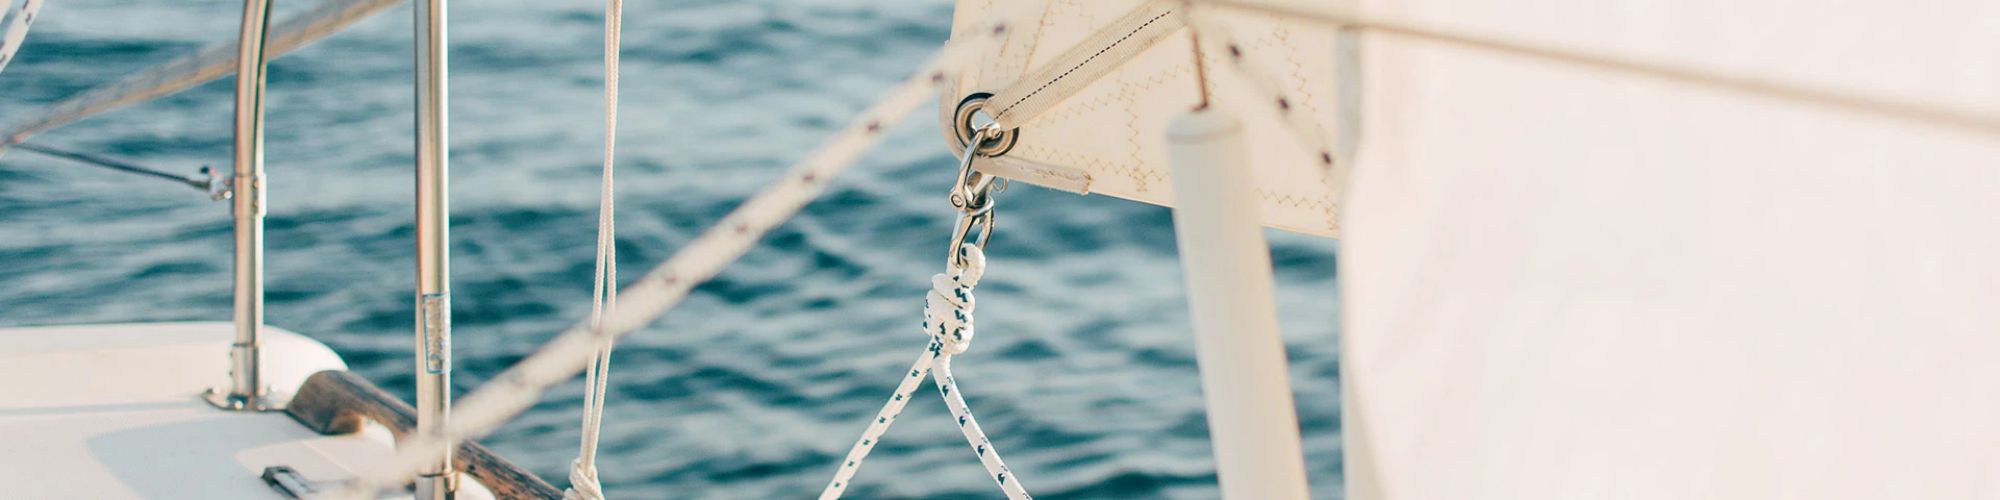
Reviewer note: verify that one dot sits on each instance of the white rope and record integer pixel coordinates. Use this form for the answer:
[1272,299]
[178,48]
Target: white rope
[948,320]
[517,388]
[18,20]
[583,483]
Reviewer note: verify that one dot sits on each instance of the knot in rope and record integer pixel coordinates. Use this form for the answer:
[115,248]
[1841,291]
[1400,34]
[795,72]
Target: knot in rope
[948,308]
[583,482]
[948,320]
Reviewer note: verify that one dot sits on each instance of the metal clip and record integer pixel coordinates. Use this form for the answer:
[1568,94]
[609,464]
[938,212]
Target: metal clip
[972,195]
[969,193]
[962,230]
[220,187]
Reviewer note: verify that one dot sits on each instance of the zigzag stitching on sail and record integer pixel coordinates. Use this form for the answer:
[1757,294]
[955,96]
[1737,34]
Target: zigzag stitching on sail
[1076,108]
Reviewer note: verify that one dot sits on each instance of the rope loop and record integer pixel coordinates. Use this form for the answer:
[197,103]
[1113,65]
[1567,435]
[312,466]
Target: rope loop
[582,482]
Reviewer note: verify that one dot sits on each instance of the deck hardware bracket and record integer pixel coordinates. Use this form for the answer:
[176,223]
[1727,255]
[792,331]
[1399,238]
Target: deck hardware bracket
[437,321]
[219,185]
[288,482]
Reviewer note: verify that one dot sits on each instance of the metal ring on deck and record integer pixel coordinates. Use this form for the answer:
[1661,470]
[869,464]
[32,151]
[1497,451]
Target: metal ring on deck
[971,117]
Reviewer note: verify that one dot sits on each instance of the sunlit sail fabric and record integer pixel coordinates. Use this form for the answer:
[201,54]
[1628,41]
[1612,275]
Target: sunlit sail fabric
[1562,282]
[1102,78]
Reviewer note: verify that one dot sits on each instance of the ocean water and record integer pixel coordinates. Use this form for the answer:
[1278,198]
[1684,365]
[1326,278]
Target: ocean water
[1083,373]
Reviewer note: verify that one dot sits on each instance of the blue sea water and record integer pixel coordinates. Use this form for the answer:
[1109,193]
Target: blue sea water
[1083,372]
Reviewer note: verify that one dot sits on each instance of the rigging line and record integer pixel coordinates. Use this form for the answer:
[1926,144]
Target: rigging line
[660,289]
[583,472]
[211,62]
[1915,112]
[1200,67]
[17,30]
[200,184]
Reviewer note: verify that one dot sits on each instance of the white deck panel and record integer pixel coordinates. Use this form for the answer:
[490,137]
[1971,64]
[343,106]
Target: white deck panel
[114,411]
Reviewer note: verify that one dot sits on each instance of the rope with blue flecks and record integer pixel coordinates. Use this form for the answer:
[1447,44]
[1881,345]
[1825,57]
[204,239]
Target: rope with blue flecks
[948,320]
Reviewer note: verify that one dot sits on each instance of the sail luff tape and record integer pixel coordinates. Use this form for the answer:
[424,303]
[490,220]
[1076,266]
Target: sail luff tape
[212,62]
[1086,62]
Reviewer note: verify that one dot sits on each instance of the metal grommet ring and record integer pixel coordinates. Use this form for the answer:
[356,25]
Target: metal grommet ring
[971,117]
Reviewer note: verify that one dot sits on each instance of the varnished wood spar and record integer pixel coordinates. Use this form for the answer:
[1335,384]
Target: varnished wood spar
[340,402]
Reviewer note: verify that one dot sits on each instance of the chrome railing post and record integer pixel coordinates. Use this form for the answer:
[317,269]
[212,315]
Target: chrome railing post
[433,242]
[246,388]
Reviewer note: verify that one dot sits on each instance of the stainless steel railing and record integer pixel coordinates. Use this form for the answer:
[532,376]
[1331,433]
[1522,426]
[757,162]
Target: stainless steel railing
[246,388]
[438,480]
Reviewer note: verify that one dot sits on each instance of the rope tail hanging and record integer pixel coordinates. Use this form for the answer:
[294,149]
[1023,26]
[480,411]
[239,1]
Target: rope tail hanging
[583,483]
[948,321]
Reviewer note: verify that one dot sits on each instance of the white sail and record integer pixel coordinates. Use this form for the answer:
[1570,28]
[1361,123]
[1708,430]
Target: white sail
[1564,281]
[1092,85]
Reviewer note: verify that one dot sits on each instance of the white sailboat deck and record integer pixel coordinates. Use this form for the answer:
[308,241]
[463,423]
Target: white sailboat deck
[114,411]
